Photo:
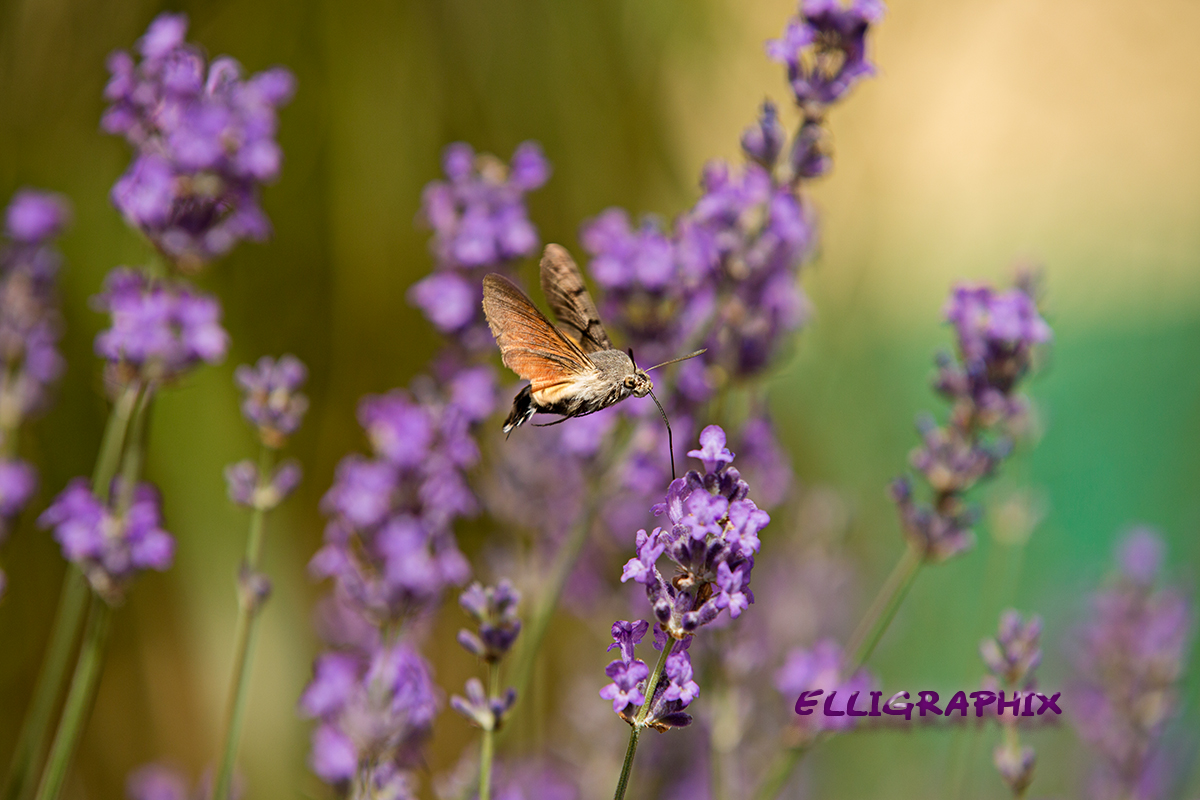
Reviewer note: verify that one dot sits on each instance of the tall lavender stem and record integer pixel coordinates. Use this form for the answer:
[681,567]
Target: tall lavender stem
[31,742]
[86,679]
[249,606]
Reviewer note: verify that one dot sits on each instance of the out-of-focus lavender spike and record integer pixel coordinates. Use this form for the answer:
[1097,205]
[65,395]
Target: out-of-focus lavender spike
[271,398]
[204,140]
[1129,655]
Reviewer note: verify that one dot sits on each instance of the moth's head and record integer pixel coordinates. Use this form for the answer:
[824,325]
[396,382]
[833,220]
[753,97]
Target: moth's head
[639,384]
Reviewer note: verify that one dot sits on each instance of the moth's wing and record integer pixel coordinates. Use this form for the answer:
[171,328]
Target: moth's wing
[529,345]
[568,296]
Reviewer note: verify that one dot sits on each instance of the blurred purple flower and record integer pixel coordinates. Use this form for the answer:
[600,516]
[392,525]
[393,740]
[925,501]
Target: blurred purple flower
[996,332]
[34,217]
[204,138]
[533,779]
[156,782]
[825,48]
[110,548]
[1129,656]
[495,609]
[375,710]
[271,397]
[159,329]
[1015,652]
[822,666]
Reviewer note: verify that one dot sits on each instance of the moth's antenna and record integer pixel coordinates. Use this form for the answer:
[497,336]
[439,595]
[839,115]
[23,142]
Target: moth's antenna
[670,443]
[681,358]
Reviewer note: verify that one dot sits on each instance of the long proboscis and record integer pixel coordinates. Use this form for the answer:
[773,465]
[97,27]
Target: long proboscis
[677,360]
[670,442]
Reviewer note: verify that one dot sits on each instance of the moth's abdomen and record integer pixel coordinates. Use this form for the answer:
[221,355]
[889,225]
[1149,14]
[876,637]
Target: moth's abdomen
[523,408]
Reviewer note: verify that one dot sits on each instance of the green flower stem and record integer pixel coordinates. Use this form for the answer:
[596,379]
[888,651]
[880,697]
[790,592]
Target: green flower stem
[72,603]
[249,607]
[862,643]
[487,747]
[639,721]
[883,609]
[779,772]
[79,700]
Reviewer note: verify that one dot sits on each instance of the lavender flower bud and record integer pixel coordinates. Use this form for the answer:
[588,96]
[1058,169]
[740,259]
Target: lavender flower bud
[1015,765]
[825,49]
[495,609]
[763,141]
[271,398]
[1015,652]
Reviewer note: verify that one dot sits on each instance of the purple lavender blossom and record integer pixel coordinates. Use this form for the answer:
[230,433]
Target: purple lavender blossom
[374,709]
[160,329]
[30,325]
[996,333]
[156,782]
[204,140]
[1129,656]
[495,609]
[1015,652]
[627,672]
[823,666]
[110,547]
[389,543]
[825,49]
[483,711]
[271,397]
[712,540]
[479,224]
[242,482]
[533,780]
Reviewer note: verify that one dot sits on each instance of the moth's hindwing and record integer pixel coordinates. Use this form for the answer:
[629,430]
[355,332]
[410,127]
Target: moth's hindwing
[529,345]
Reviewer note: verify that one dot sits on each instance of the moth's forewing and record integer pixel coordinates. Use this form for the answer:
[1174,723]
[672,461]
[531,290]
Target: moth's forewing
[529,345]
[565,291]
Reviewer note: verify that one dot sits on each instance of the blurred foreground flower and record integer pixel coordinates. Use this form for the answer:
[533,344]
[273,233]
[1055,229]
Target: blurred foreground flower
[1129,657]
[205,141]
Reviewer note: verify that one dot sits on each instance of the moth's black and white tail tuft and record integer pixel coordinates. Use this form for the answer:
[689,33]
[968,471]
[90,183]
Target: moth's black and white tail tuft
[522,410]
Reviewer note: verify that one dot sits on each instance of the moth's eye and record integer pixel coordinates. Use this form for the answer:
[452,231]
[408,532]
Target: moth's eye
[629,382]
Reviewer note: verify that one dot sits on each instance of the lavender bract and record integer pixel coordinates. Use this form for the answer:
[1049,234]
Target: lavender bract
[204,138]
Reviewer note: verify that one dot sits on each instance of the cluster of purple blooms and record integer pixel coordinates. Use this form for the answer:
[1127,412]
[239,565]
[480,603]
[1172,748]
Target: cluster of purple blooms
[823,666]
[495,610]
[160,329]
[1129,656]
[712,541]
[273,403]
[204,138]
[110,542]
[479,224]
[30,328]
[1011,658]
[996,333]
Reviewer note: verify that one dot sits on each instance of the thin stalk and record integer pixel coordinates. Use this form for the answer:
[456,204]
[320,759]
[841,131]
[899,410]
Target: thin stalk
[487,748]
[639,721]
[779,772]
[31,742]
[862,643]
[547,602]
[79,700]
[249,607]
[883,609]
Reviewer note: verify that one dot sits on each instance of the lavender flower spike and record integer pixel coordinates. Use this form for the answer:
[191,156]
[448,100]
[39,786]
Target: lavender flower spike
[271,397]
[204,138]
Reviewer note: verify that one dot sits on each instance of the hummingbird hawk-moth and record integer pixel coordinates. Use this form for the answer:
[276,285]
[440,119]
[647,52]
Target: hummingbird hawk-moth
[573,370]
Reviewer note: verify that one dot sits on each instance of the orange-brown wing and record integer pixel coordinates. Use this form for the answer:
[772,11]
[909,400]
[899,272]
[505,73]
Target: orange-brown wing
[569,299]
[529,345]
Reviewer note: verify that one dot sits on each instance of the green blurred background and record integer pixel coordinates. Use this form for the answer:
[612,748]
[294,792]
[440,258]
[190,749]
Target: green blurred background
[1063,133]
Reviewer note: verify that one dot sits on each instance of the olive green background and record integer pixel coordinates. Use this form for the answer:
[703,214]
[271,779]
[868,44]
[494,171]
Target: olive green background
[1066,134]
